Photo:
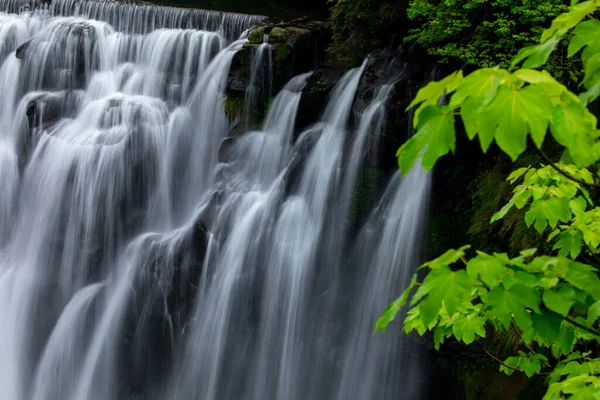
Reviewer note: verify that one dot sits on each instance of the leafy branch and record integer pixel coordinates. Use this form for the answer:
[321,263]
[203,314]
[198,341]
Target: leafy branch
[552,302]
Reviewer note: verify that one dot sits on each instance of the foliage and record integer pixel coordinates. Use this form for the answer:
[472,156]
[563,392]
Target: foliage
[550,301]
[361,26]
[484,33]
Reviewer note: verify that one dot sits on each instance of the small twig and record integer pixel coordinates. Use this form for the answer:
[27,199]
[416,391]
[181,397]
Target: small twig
[589,260]
[499,361]
[564,173]
[581,326]
[521,337]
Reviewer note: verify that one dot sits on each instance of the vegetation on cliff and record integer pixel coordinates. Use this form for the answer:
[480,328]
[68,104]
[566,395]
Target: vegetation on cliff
[549,302]
[480,33]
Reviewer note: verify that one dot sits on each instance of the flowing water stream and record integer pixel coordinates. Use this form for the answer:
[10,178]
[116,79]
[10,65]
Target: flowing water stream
[144,254]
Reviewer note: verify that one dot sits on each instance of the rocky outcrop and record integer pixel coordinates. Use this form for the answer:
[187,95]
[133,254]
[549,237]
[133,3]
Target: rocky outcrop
[315,96]
[298,46]
[294,48]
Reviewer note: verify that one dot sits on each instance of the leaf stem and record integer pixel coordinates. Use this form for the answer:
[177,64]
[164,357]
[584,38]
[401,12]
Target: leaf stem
[581,326]
[564,173]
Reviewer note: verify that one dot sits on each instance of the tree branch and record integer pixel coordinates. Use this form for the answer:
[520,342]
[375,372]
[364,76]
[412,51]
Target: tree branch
[564,173]
[581,326]
[499,361]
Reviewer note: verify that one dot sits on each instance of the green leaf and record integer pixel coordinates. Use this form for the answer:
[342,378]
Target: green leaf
[535,76]
[547,327]
[431,93]
[516,113]
[583,277]
[528,252]
[593,313]
[409,153]
[487,268]
[509,303]
[586,33]
[429,309]
[449,257]
[548,212]
[440,334]
[503,211]
[478,122]
[559,301]
[445,287]
[482,85]
[592,71]
[566,338]
[573,127]
[392,310]
[578,205]
[529,364]
[467,327]
[535,56]
[592,94]
[435,135]
[569,243]
[566,21]
[516,174]
[529,298]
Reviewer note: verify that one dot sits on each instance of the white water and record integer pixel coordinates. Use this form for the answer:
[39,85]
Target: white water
[144,257]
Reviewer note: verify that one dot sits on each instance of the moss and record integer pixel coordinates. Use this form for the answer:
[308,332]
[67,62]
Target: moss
[481,380]
[278,35]
[269,103]
[445,230]
[257,35]
[233,107]
[364,194]
[282,52]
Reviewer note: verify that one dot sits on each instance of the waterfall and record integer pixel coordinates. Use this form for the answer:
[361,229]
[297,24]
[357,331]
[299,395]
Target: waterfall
[147,254]
[259,85]
[138,18]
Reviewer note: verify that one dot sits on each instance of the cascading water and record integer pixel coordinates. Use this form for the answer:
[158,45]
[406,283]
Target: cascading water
[259,85]
[144,254]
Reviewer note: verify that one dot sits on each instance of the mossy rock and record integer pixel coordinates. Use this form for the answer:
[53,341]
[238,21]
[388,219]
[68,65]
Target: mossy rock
[233,107]
[282,53]
[257,35]
[299,31]
[278,35]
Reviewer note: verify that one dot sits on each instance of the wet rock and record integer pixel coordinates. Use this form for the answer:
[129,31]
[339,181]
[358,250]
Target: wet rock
[297,47]
[42,112]
[315,96]
[278,35]
[68,52]
[257,35]
[20,52]
[225,148]
[407,70]
[238,78]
